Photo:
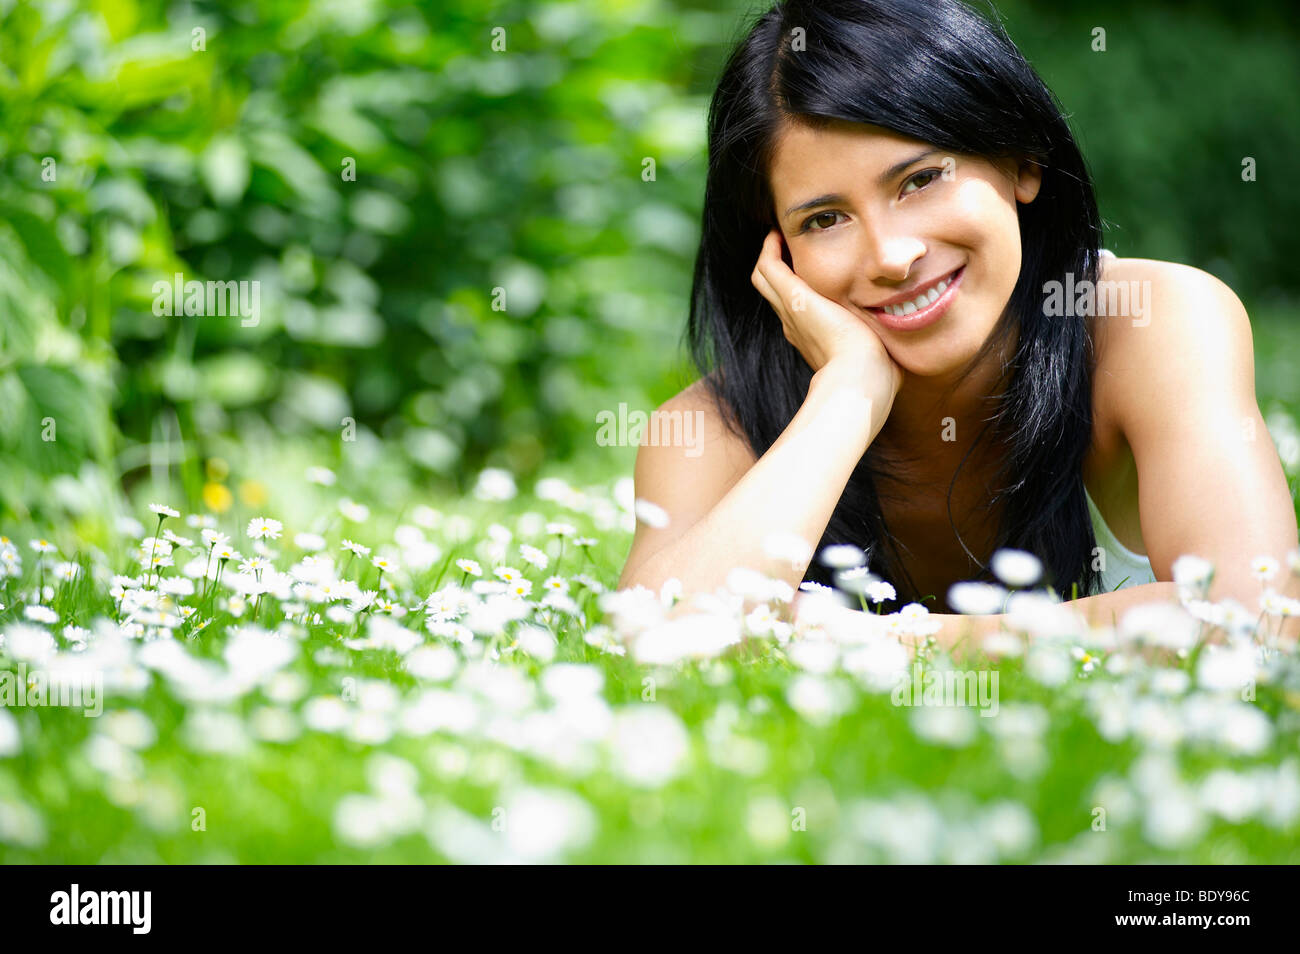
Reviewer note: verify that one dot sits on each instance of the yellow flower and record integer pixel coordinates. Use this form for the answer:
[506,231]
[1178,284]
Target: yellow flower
[217,498]
[252,492]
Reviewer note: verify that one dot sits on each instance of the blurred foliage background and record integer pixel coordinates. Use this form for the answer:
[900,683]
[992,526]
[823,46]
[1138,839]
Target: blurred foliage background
[140,138]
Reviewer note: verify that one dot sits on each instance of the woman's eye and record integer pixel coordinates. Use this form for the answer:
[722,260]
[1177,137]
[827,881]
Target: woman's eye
[925,177]
[827,219]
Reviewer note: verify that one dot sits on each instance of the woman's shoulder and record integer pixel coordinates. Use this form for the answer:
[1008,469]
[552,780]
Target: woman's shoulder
[1144,303]
[1151,313]
[715,426]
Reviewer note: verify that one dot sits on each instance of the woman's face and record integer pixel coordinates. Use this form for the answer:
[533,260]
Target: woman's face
[869,215]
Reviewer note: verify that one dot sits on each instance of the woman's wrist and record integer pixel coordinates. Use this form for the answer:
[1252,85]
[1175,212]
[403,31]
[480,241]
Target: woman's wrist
[849,385]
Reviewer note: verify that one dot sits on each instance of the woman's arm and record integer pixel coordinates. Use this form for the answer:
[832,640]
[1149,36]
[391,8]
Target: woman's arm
[962,634]
[722,509]
[1182,392]
[717,522]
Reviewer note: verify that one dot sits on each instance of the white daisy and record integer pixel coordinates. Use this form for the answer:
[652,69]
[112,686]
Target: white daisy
[880,591]
[1016,567]
[264,528]
[651,514]
[533,556]
[320,475]
[40,614]
[842,556]
[357,548]
[1191,570]
[1264,568]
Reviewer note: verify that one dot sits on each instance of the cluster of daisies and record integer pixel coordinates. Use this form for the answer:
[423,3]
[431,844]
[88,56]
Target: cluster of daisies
[462,602]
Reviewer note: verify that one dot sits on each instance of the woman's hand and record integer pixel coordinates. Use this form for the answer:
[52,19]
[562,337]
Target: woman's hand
[822,331]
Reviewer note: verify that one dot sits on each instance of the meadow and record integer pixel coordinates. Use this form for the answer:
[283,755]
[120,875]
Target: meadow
[323,568]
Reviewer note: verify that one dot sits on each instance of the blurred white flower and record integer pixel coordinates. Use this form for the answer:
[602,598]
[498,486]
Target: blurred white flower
[533,556]
[953,726]
[648,744]
[1264,568]
[975,598]
[692,636]
[842,556]
[495,484]
[1160,624]
[788,547]
[1191,570]
[28,643]
[543,825]
[353,511]
[1227,668]
[1016,567]
[818,699]
[652,515]
[879,591]
[310,542]
[40,614]
[320,475]
[11,741]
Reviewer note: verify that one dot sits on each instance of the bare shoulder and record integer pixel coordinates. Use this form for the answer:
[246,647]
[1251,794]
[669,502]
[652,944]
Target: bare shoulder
[692,426]
[689,458]
[1162,328]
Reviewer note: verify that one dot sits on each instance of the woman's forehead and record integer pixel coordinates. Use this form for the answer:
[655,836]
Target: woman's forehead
[802,152]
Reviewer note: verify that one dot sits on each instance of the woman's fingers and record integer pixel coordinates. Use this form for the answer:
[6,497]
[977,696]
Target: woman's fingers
[768,292]
[773,267]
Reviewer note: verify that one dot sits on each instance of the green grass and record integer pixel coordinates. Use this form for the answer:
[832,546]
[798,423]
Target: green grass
[767,774]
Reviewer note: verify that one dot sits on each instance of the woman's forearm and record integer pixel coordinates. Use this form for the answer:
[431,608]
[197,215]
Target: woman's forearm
[1103,609]
[792,490]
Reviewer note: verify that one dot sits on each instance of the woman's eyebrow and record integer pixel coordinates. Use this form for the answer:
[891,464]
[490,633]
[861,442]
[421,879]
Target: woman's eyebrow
[883,179]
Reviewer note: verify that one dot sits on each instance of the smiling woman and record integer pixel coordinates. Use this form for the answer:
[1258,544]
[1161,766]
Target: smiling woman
[892,192]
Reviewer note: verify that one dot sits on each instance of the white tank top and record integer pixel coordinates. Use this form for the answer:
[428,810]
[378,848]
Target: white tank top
[1123,567]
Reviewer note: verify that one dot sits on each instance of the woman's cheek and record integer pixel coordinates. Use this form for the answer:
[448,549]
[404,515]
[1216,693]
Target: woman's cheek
[820,270]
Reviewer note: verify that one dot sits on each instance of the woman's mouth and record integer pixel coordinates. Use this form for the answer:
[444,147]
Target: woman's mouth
[924,309]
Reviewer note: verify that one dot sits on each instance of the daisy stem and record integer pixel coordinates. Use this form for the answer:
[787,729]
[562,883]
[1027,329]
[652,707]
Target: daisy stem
[154,547]
[206,568]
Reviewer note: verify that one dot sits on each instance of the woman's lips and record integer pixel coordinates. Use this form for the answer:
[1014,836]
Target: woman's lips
[922,317]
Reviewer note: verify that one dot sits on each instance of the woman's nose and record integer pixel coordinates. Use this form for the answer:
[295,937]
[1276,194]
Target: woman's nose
[889,255]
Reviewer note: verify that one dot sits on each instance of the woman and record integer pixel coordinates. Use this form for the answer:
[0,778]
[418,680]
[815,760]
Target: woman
[897,348]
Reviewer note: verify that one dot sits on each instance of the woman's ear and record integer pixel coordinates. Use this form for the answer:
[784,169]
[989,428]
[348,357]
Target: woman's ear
[1029,179]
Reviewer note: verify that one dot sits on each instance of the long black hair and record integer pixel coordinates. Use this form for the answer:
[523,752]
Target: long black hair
[939,72]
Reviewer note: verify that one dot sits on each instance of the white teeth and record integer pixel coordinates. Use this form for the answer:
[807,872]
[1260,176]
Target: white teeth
[920,301]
